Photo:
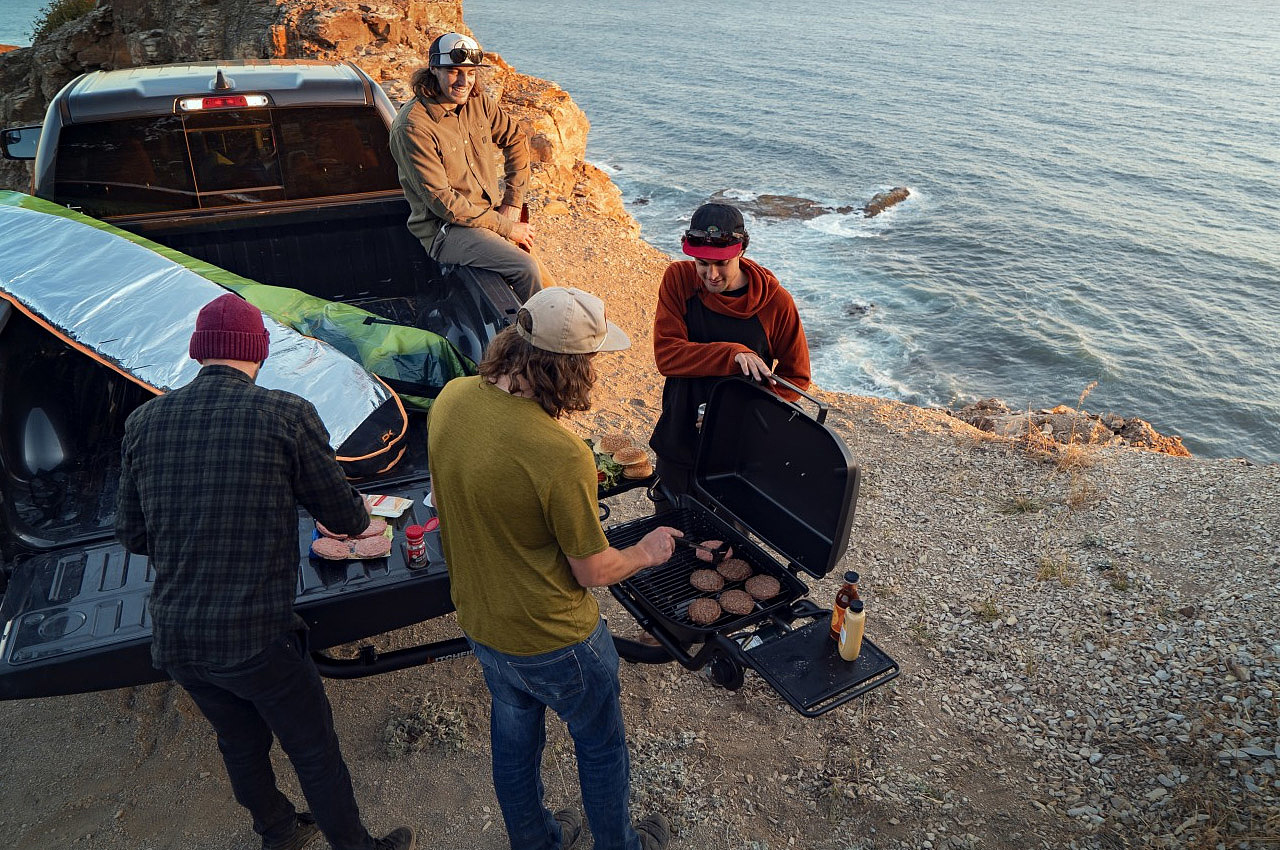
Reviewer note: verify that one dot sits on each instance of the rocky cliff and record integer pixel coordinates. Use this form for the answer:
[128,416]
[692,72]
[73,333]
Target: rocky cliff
[387,40]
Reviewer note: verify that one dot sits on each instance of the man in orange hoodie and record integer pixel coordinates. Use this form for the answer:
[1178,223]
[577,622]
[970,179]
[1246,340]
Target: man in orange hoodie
[719,314]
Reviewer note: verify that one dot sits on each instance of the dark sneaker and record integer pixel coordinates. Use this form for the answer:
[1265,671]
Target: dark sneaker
[655,832]
[303,833]
[400,838]
[570,827]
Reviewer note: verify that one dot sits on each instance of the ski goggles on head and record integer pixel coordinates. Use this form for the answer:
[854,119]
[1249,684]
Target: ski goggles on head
[713,237]
[464,55]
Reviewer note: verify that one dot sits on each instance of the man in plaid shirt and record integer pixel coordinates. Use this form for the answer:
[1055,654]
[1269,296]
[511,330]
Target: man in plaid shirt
[211,478]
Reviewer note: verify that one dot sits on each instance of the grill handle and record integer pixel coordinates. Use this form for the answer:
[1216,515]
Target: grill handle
[822,406]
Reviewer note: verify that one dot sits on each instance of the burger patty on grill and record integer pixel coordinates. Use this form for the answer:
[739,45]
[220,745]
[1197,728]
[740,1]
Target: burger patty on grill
[706,580]
[704,611]
[734,569]
[737,602]
[763,587]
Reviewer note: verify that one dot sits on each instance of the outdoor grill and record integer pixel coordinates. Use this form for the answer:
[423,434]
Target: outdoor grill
[665,590]
[780,487]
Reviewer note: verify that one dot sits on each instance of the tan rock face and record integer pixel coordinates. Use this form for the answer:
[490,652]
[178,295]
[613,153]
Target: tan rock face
[387,40]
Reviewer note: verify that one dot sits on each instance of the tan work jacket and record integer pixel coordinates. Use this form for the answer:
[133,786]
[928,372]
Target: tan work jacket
[446,160]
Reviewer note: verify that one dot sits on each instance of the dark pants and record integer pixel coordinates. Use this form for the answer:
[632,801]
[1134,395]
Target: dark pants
[674,480]
[484,249]
[278,691]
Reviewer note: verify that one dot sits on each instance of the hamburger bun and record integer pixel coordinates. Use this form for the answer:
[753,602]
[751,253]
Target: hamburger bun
[628,455]
[610,443]
[638,470]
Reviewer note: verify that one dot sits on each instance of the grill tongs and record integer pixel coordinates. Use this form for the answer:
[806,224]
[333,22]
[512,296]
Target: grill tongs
[718,553]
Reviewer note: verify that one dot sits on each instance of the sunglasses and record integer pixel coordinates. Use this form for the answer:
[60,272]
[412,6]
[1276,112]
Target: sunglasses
[458,55]
[713,237]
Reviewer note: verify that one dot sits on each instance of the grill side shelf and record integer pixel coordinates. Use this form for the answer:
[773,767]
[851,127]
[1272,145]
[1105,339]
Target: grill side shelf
[805,668]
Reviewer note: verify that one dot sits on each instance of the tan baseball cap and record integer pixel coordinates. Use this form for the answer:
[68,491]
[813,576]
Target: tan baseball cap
[565,320]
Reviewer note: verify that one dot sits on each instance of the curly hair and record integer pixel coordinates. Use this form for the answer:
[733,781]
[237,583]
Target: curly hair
[560,383]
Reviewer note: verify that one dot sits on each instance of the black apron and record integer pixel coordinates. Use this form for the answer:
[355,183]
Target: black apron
[675,437]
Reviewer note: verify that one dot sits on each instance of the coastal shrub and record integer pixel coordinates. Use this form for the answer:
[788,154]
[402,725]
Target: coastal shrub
[57,13]
[429,722]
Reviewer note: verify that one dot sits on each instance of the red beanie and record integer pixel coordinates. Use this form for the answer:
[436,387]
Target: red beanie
[229,328]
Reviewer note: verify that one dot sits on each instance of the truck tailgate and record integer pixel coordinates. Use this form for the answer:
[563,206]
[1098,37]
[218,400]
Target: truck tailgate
[76,620]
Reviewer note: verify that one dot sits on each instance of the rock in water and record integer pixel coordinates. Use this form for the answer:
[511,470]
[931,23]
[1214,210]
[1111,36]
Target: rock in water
[883,200]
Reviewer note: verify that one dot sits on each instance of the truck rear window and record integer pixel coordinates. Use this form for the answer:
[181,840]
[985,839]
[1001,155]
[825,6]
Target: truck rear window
[215,159]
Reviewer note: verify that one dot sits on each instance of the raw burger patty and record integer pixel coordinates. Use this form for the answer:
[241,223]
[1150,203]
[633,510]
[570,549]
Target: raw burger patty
[372,547]
[327,533]
[708,580]
[763,587]
[737,602]
[704,555]
[377,526]
[734,569]
[704,611]
[327,547]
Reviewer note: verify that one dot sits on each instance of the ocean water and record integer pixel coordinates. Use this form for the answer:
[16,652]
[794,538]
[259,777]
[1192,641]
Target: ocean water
[1095,185]
[15,20]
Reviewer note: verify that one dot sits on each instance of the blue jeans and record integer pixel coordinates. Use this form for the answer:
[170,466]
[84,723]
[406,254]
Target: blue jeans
[278,691]
[579,683]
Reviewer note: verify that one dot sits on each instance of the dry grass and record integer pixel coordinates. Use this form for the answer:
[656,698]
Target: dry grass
[1022,504]
[988,611]
[1057,568]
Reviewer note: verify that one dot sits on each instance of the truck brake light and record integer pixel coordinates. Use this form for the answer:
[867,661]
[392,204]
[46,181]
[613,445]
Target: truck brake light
[224,101]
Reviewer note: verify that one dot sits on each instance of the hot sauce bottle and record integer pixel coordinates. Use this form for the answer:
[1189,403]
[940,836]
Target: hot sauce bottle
[847,593]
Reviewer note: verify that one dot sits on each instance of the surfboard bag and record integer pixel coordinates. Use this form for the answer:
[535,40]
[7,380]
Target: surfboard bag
[131,305]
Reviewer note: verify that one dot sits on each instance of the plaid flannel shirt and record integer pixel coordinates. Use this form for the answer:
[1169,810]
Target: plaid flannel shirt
[211,478]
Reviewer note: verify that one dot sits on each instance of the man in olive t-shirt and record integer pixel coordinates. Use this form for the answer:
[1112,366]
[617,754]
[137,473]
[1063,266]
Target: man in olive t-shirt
[516,494]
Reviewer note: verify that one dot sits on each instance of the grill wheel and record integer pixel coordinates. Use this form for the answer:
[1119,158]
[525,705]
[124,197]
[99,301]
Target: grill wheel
[726,672]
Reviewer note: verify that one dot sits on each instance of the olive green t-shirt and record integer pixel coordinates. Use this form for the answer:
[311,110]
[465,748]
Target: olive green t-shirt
[516,493]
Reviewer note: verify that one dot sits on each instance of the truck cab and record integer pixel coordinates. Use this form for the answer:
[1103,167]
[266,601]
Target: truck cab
[277,171]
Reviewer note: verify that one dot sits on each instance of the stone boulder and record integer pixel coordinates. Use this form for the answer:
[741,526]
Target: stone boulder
[883,200]
[1065,425]
[803,209]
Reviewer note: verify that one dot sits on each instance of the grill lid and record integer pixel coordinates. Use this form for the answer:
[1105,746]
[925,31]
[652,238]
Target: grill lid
[783,474]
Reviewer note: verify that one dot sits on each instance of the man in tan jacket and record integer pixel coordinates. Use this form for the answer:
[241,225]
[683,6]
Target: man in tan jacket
[444,144]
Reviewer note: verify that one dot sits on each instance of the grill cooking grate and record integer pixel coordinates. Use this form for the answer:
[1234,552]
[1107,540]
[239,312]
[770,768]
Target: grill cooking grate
[665,589]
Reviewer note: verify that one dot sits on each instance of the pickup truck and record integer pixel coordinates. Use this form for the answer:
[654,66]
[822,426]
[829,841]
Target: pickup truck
[276,171]
[280,172]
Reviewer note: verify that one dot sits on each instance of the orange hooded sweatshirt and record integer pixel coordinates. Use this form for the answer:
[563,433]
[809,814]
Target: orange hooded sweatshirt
[696,335]
[765,300]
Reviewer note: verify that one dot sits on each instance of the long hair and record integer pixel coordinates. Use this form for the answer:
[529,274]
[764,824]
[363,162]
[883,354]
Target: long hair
[560,383]
[424,83]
